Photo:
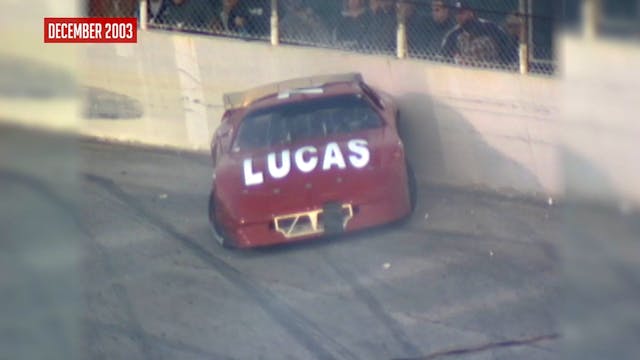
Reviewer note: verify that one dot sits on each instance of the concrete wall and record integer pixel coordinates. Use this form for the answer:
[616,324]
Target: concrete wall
[37,80]
[600,129]
[466,127]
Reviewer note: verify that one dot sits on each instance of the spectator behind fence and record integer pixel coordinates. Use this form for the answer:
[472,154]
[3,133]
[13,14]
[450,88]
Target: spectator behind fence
[156,12]
[300,23]
[426,33]
[475,41]
[381,26]
[513,26]
[233,17]
[406,10]
[352,26]
[190,14]
[258,16]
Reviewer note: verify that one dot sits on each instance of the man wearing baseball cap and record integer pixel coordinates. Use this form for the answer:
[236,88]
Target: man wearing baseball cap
[475,41]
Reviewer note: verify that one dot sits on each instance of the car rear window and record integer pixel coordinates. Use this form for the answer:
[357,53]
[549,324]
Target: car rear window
[291,123]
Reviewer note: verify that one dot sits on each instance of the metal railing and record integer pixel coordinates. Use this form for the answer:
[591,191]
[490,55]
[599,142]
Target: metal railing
[513,35]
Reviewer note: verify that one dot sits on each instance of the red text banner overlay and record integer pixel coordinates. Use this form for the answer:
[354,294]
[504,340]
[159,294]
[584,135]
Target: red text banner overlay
[90,30]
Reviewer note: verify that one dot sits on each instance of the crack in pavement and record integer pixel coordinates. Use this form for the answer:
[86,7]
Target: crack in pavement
[485,347]
[297,326]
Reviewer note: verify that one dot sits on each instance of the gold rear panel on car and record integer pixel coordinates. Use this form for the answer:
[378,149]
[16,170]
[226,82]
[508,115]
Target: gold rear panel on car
[306,223]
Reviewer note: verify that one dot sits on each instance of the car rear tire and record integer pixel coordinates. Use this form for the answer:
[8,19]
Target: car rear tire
[216,229]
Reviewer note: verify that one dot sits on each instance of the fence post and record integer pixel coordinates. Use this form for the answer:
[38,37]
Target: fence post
[591,18]
[401,38]
[523,48]
[275,36]
[143,14]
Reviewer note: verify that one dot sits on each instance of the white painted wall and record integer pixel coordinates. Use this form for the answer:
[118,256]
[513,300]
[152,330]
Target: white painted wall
[600,115]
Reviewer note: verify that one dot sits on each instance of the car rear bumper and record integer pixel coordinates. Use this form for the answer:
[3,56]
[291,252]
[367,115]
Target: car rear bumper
[365,213]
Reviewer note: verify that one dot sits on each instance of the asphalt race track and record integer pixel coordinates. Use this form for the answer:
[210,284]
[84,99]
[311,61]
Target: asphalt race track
[476,278]
[470,276]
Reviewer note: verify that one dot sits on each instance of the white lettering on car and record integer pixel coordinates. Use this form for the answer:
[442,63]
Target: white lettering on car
[309,165]
[333,156]
[250,177]
[285,161]
[359,157]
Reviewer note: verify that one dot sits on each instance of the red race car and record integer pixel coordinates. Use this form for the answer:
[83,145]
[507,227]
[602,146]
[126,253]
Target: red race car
[306,158]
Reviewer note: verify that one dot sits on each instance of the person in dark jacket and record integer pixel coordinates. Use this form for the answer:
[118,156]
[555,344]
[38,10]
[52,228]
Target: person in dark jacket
[301,24]
[352,26]
[474,40]
[190,14]
[233,17]
[514,26]
[425,34]
[156,12]
[381,26]
[259,16]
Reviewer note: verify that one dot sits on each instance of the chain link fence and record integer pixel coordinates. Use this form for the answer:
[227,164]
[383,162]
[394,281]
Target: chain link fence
[249,19]
[466,33]
[541,26]
[478,33]
[490,37]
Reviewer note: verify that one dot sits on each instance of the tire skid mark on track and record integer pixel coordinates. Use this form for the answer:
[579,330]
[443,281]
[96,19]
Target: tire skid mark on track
[157,341]
[374,307]
[68,207]
[445,233]
[133,328]
[43,189]
[134,325]
[486,347]
[297,326]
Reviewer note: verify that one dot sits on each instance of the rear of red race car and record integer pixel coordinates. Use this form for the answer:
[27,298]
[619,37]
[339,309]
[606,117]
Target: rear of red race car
[313,161]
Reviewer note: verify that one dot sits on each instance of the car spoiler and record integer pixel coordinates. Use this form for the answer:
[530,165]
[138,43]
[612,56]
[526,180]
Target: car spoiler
[244,98]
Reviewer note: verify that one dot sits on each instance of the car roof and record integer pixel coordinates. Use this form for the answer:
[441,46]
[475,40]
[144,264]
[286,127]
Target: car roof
[286,91]
[328,90]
